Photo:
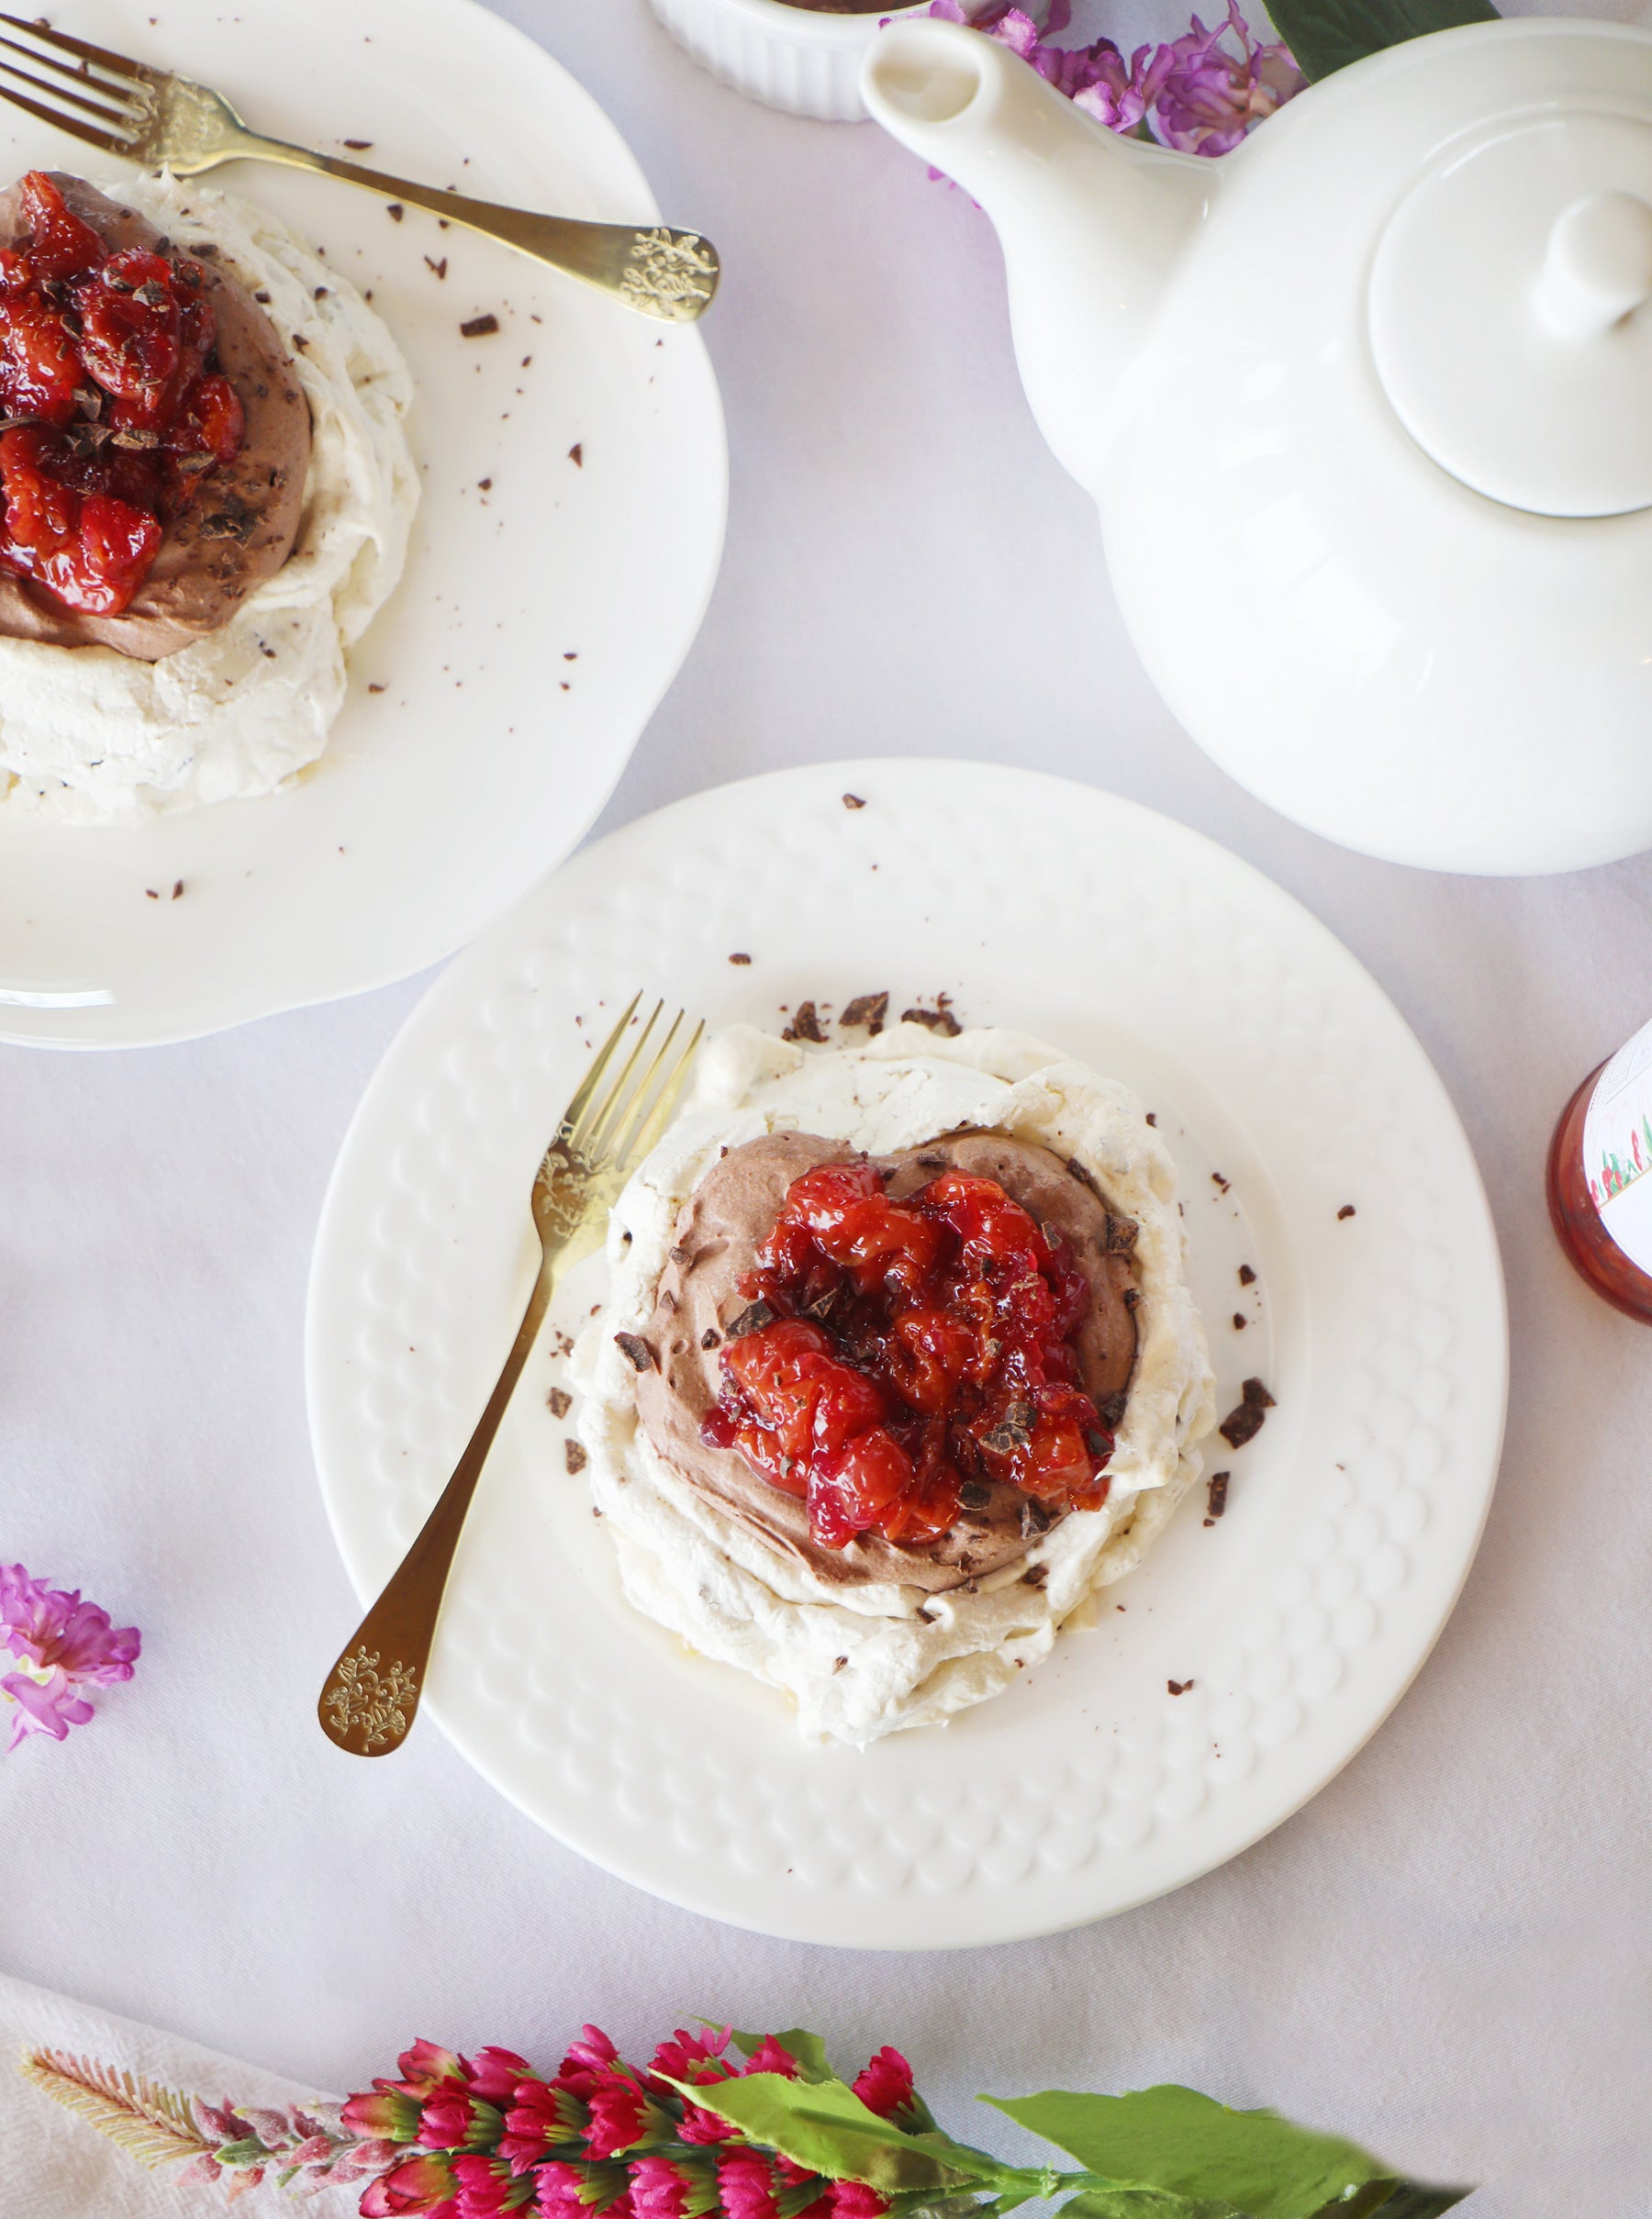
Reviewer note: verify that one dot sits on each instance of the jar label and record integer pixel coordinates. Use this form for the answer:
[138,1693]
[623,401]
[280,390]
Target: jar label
[1617,1148]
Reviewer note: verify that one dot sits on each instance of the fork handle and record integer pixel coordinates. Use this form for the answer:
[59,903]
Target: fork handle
[658,272]
[373,1692]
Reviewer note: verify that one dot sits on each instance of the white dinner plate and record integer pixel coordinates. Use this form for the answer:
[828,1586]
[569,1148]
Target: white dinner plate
[547,602]
[1289,1091]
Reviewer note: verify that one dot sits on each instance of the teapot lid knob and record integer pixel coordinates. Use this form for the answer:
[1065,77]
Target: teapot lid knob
[1510,315]
[1598,269]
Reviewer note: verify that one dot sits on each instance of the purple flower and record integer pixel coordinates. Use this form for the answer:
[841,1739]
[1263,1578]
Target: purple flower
[1194,93]
[1209,98]
[60,1645]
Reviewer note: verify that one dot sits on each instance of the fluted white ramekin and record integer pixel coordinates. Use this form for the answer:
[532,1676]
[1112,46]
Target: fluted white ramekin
[791,57]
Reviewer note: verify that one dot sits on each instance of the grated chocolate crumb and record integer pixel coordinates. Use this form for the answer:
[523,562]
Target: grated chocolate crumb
[574,1450]
[636,1351]
[560,1401]
[1345,1212]
[478,327]
[1247,1278]
[806,1025]
[853,801]
[868,1010]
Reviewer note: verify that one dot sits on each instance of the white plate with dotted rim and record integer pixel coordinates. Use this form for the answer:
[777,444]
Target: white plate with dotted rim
[1288,1089]
[470,757]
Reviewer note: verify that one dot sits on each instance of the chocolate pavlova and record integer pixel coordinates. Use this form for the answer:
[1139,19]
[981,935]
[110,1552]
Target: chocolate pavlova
[899,1369]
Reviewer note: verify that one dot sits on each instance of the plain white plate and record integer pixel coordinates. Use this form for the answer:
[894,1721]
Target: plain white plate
[443,798]
[1286,1086]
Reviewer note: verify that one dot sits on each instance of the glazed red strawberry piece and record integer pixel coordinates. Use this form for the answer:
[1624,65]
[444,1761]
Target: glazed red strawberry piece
[903,1349]
[116,411]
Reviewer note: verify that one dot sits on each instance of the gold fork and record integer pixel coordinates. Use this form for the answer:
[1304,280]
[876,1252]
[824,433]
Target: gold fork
[373,1690]
[150,117]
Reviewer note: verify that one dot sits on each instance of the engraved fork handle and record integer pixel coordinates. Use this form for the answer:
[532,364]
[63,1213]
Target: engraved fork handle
[374,1689]
[658,272]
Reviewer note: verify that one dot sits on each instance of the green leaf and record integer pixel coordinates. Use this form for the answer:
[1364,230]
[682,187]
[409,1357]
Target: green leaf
[807,2048]
[1326,35]
[1143,2204]
[824,2126]
[1249,2162]
[1410,2200]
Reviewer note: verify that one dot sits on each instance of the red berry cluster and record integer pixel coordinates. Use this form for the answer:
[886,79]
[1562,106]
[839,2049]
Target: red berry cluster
[114,408]
[903,1356]
[472,2137]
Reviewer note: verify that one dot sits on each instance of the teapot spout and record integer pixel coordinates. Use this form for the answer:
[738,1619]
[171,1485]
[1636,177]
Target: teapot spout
[1091,224]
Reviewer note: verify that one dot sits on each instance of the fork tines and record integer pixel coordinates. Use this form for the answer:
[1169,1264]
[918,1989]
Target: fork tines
[123,86]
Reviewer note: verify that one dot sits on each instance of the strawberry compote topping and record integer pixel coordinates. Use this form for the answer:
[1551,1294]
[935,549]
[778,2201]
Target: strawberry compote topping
[112,406]
[898,1356]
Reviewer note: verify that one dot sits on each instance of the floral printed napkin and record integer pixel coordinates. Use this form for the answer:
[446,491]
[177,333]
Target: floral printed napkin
[53,2168]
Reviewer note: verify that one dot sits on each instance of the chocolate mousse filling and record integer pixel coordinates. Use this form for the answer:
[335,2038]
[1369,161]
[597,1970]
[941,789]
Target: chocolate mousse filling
[699,1300]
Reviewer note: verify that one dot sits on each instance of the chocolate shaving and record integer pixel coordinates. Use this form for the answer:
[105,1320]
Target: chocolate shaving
[1013,1430]
[1345,1212]
[711,1338]
[1121,1235]
[560,1401]
[1132,1298]
[636,1351]
[234,521]
[575,1456]
[1112,1410]
[752,1318]
[1218,1503]
[1178,1687]
[478,327]
[576,454]
[823,1305]
[137,438]
[974,1496]
[853,801]
[1077,1170]
[1240,1321]
[927,1617]
[1246,1422]
[394,210]
[939,1020]
[90,401]
[1247,1278]
[1036,1577]
[739,959]
[440,268]
[356,146]
[1034,1517]
[868,1010]
[1224,1183]
[839,1664]
[806,1025]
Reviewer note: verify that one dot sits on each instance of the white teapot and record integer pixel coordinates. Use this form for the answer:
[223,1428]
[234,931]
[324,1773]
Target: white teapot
[1367,406]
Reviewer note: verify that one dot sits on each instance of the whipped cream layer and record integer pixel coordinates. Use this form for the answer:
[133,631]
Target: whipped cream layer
[94,736]
[865,1660]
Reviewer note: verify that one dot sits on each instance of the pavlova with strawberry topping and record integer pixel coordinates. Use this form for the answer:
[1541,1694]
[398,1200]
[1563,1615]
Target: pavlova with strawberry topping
[899,1367]
[208,493]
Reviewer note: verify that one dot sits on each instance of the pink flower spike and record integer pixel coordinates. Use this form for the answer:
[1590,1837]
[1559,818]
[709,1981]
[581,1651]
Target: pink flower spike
[745,2182]
[495,2074]
[424,2067]
[885,2085]
[770,2056]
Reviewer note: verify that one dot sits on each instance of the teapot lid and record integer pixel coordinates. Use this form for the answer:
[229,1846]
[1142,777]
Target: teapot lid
[1510,311]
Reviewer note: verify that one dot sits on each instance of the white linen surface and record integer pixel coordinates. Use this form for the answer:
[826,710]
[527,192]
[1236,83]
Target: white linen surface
[1448,1953]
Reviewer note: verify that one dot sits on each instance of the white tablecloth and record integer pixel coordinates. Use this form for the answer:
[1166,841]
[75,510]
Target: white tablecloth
[1446,1954]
